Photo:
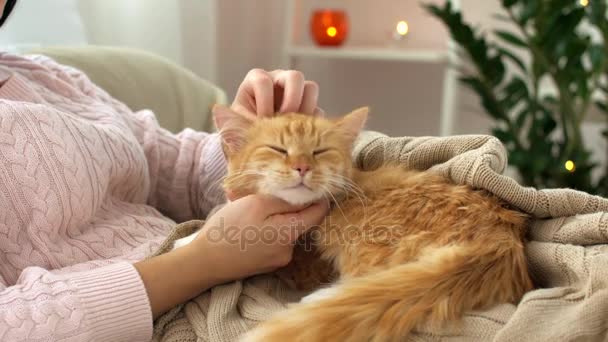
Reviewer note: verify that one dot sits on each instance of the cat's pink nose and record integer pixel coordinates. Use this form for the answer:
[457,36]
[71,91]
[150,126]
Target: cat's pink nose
[302,169]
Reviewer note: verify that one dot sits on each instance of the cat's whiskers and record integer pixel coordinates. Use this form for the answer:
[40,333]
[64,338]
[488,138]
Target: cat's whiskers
[235,176]
[361,201]
[345,182]
[327,191]
[352,184]
[239,176]
[249,172]
[275,179]
[349,187]
[350,190]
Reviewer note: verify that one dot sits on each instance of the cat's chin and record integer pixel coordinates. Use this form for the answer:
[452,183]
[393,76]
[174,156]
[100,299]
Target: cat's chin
[298,195]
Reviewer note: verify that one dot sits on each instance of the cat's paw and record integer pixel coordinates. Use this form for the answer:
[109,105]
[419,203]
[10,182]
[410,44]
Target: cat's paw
[321,294]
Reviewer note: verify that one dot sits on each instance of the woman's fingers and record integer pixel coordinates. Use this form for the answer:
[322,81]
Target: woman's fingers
[299,222]
[295,219]
[265,93]
[309,98]
[267,206]
[292,84]
[259,86]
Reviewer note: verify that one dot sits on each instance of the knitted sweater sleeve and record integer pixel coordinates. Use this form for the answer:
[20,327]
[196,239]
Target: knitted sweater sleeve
[104,304]
[185,168]
[86,302]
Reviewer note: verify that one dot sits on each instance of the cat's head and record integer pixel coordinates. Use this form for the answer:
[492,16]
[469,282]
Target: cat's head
[298,158]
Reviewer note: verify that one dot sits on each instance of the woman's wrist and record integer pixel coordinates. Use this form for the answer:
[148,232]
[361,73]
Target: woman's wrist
[175,277]
[204,265]
[215,264]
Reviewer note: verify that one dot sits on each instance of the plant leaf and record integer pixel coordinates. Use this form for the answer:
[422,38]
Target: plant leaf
[502,135]
[603,106]
[530,9]
[487,100]
[509,55]
[596,55]
[520,119]
[508,3]
[510,38]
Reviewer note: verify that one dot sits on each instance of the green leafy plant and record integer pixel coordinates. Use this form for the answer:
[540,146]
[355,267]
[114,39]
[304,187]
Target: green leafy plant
[551,40]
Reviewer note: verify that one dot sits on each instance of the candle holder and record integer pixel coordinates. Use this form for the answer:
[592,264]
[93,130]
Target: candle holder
[329,27]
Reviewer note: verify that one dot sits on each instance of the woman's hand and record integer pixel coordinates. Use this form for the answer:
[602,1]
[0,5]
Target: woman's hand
[252,235]
[265,93]
[255,234]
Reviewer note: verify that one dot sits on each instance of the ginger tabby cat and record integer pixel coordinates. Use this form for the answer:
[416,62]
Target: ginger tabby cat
[406,247]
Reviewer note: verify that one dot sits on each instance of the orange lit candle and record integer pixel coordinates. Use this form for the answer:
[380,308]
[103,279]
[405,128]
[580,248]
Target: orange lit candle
[329,27]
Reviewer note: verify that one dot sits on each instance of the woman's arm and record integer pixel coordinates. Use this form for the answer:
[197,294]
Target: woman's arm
[104,304]
[214,257]
[177,276]
[184,168]
[118,302]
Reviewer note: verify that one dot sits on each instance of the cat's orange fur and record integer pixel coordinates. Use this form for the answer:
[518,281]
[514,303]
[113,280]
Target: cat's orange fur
[409,247]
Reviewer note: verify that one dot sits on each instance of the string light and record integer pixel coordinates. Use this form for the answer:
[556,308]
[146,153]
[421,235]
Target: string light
[584,3]
[403,28]
[332,31]
[570,166]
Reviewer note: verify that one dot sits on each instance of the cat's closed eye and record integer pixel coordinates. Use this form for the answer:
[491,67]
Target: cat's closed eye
[319,151]
[277,149]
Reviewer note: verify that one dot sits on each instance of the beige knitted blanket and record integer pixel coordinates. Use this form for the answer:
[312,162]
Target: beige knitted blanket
[568,256]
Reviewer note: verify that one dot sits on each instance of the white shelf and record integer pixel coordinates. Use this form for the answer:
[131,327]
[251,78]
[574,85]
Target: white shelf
[370,53]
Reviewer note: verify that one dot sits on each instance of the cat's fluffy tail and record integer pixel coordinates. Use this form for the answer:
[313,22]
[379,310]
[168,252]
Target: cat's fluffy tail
[385,306]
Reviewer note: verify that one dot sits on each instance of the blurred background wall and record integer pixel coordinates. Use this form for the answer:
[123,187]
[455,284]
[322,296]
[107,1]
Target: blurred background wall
[222,40]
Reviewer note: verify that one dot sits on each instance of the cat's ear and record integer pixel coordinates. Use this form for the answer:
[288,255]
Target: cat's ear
[354,122]
[232,126]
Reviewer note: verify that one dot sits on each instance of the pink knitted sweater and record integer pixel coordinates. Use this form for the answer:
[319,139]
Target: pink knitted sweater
[87,187]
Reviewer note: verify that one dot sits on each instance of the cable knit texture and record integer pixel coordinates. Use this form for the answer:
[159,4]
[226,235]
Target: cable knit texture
[87,187]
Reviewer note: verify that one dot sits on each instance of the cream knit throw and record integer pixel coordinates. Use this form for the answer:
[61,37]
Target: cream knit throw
[568,256]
